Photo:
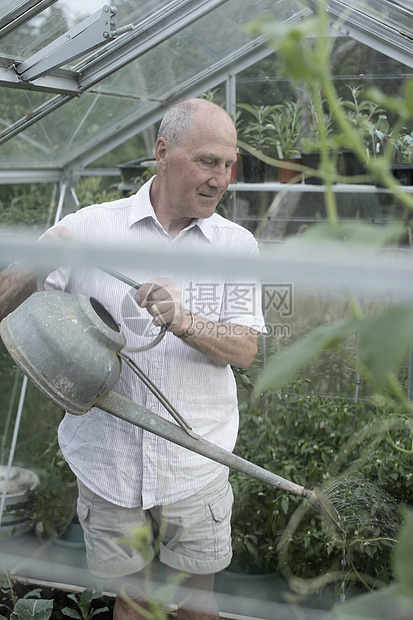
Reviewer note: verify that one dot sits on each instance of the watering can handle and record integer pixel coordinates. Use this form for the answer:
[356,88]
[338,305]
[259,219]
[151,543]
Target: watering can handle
[136,285]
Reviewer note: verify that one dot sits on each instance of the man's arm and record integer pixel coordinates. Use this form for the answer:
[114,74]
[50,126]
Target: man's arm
[18,282]
[226,343]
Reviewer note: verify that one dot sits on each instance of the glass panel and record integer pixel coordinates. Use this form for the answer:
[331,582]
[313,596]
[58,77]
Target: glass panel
[14,104]
[381,20]
[388,13]
[82,121]
[11,5]
[163,70]
[63,15]
[195,49]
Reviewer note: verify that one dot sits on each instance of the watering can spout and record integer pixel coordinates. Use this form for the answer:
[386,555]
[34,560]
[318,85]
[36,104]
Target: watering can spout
[318,500]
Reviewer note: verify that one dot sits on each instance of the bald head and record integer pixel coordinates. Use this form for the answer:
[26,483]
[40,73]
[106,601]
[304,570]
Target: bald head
[180,119]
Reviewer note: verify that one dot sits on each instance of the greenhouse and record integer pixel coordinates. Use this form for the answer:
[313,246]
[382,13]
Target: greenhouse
[319,180]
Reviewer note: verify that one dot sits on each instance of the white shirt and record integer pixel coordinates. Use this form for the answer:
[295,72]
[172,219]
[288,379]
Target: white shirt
[119,461]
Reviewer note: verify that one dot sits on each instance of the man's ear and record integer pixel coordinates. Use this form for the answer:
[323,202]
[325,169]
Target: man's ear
[161,151]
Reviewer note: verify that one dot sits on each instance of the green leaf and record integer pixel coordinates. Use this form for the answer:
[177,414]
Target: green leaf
[71,613]
[285,365]
[98,611]
[289,41]
[386,339]
[30,609]
[403,555]
[284,504]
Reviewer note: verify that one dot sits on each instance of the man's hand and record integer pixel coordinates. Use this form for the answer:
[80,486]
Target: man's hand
[162,299]
[224,343]
[20,281]
[60,233]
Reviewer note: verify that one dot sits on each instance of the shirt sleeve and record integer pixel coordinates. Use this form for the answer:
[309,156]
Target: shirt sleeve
[242,300]
[59,279]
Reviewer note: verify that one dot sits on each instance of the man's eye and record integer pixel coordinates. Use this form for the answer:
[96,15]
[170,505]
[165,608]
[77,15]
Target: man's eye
[208,162]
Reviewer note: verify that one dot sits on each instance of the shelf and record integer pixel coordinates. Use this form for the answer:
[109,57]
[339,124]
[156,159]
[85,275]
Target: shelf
[304,187]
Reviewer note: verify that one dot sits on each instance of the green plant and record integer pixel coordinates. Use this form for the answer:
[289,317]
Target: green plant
[141,179]
[51,507]
[394,601]
[141,540]
[285,129]
[370,119]
[255,129]
[403,148]
[319,127]
[84,603]
[28,607]
[373,444]
[313,440]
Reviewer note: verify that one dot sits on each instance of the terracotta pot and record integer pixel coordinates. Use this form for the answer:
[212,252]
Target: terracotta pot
[288,175]
[234,169]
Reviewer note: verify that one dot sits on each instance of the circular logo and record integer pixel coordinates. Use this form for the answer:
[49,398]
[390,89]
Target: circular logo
[137,320]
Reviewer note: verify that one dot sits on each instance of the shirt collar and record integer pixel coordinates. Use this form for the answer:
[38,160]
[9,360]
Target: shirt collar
[142,209]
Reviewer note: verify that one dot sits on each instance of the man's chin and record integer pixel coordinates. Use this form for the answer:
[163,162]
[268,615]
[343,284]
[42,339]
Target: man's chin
[207,205]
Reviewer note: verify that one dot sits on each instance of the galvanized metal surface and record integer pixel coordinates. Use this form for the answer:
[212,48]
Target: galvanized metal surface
[67,345]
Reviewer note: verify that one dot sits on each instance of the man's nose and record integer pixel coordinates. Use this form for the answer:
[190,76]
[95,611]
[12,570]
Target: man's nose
[221,177]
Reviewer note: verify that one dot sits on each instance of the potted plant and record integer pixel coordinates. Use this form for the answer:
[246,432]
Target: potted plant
[379,138]
[284,135]
[317,131]
[253,132]
[402,166]
[372,125]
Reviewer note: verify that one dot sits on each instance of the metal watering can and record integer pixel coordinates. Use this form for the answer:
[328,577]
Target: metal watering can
[70,347]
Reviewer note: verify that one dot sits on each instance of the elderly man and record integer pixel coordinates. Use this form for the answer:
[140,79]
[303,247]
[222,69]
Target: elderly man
[128,477]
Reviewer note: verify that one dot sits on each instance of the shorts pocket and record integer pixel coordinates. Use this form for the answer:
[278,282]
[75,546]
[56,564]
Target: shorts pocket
[221,507]
[83,510]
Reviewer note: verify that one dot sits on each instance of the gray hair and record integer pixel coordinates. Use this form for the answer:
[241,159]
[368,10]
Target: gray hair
[179,119]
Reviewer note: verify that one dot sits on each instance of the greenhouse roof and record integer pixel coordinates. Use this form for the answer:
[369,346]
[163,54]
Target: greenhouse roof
[77,82]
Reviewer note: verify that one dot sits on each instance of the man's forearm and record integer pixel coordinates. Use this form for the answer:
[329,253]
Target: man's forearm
[225,343]
[17,283]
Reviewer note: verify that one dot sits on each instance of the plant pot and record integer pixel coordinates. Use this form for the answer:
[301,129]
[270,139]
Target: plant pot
[312,160]
[403,173]
[130,170]
[21,483]
[351,166]
[289,175]
[253,169]
[72,537]
[234,169]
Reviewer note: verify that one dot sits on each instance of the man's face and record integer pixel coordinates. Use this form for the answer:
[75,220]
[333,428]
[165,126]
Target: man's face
[198,170]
